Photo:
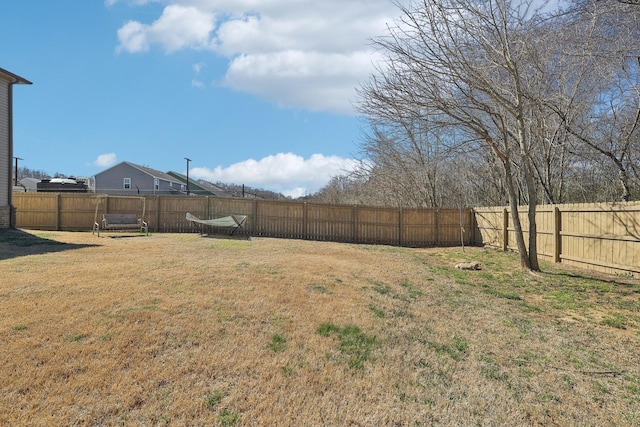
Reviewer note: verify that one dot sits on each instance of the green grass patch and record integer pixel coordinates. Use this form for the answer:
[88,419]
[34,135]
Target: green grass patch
[412,292]
[457,349]
[381,288]
[277,343]
[616,320]
[627,304]
[561,299]
[320,289]
[19,327]
[76,337]
[354,343]
[228,418]
[376,311]
[213,398]
[327,329]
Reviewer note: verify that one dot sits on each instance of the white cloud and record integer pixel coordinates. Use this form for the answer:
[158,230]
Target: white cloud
[105,160]
[198,67]
[311,80]
[305,54]
[195,81]
[287,173]
[178,28]
[133,37]
[132,2]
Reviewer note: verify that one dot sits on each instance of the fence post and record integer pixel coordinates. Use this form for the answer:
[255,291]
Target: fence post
[58,214]
[157,213]
[505,229]
[255,216]
[354,223]
[437,226]
[557,241]
[305,234]
[473,224]
[400,227]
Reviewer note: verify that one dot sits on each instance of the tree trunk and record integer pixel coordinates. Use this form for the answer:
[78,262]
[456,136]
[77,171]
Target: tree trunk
[517,225]
[531,212]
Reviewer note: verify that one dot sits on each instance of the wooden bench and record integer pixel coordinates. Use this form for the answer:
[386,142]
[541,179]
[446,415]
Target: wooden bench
[121,222]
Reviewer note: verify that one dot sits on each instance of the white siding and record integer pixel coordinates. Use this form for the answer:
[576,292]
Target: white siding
[5,161]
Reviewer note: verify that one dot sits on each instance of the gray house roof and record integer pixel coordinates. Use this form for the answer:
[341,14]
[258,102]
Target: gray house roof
[27,185]
[201,187]
[129,178]
[155,173]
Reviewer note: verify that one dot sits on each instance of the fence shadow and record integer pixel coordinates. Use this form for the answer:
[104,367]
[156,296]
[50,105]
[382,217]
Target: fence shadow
[16,243]
[594,276]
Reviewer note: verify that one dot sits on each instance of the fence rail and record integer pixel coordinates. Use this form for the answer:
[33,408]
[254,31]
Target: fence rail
[603,237]
[268,218]
[598,236]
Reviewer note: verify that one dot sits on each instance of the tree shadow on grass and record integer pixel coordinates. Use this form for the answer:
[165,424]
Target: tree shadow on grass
[594,276]
[227,236]
[15,243]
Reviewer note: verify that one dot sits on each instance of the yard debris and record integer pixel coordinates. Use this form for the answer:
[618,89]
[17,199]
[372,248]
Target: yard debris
[470,265]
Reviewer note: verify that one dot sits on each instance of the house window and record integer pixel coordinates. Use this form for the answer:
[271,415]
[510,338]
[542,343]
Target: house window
[127,183]
[156,183]
[183,187]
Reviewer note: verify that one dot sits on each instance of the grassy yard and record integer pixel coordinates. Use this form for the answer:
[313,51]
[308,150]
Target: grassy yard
[185,330]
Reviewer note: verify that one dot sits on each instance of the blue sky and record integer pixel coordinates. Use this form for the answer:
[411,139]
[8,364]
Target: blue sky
[254,92]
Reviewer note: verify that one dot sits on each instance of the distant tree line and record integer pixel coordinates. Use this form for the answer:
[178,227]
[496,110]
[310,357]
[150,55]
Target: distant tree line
[500,102]
[24,172]
[241,190]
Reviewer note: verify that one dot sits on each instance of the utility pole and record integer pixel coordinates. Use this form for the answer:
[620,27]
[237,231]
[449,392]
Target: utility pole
[15,180]
[188,160]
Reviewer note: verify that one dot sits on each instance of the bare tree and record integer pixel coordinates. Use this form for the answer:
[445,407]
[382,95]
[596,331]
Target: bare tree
[550,99]
[410,152]
[467,64]
[595,78]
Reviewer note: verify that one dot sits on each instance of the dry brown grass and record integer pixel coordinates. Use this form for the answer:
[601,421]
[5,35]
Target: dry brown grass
[184,330]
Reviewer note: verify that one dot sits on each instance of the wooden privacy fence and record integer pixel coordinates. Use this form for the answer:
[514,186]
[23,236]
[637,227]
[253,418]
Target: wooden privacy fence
[597,236]
[602,237]
[268,218]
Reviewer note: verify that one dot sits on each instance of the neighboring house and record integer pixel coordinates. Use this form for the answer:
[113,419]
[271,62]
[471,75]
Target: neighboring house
[62,185]
[200,187]
[27,185]
[55,185]
[131,179]
[7,211]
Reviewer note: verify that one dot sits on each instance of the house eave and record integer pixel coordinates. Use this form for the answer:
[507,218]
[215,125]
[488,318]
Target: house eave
[14,78]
